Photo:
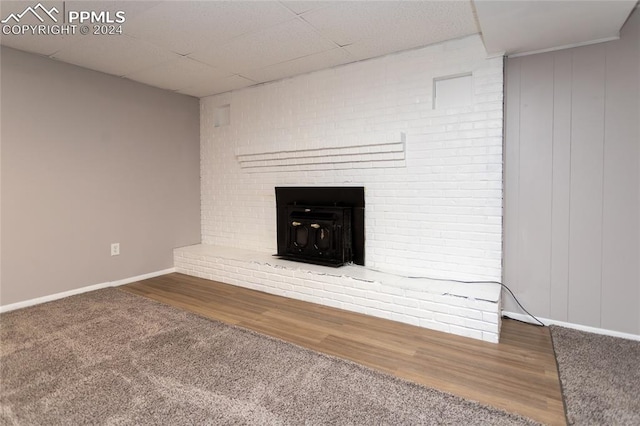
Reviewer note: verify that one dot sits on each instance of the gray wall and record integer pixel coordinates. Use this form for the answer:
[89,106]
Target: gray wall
[90,159]
[572,183]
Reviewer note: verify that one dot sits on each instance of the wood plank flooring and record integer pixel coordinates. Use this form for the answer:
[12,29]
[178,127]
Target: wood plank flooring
[519,374]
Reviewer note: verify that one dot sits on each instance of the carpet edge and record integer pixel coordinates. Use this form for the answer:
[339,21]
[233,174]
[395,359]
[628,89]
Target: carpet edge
[329,356]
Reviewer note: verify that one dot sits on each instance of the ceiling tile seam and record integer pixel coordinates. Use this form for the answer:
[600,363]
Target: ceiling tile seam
[224,78]
[289,9]
[143,40]
[320,33]
[240,72]
[52,55]
[228,41]
[282,4]
[226,73]
[301,57]
[327,4]
[233,39]
[164,49]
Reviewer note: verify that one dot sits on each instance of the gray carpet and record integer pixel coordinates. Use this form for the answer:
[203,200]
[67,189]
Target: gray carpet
[110,357]
[600,377]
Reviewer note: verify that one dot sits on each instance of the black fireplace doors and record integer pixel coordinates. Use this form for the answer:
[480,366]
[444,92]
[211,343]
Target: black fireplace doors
[321,225]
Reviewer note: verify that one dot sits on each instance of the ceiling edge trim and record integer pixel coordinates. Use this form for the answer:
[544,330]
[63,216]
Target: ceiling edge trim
[566,46]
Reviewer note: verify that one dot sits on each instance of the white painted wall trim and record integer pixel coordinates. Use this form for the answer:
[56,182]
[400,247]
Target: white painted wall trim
[566,46]
[56,296]
[390,151]
[547,321]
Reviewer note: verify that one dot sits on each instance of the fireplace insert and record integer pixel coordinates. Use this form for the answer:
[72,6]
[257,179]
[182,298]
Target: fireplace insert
[317,234]
[321,225]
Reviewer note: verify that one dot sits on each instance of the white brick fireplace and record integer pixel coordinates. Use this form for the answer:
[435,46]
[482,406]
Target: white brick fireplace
[432,178]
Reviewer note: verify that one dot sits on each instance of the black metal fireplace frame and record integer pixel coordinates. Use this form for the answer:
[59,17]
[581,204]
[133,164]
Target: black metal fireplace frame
[351,197]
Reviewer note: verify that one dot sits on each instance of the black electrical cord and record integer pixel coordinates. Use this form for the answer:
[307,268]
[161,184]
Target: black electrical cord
[539,323]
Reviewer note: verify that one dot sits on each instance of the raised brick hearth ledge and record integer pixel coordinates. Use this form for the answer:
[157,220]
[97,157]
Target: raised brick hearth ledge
[471,310]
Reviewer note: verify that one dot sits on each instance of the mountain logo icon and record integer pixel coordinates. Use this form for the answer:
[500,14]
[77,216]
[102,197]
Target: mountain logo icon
[38,11]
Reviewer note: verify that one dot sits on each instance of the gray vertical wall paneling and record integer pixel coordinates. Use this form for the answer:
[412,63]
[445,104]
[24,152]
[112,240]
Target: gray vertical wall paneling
[620,199]
[594,273]
[536,138]
[511,181]
[559,286]
[587,145]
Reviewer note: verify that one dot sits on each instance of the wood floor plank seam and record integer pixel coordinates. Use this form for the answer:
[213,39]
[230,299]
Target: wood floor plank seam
[519,374]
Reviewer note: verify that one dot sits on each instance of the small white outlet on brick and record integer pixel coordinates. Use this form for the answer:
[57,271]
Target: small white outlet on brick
[115,249]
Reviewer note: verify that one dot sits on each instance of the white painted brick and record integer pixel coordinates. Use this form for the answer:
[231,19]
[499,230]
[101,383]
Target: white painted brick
[434,325]
[434,307]
[381,297]
[466,332]
[481,305]
[353,105]
[490,337]
[479,325]
[356,292]
[334,288]
[284,286]
[467,313]
[450,300]
[419,313]
[491,317]
[332,303]
[436,213]
[392,290]
[405,302]
[377,313]
[407,319]
[314,299]
[342,298]
[325,295]
[365,285]
[450,319]
[419,295]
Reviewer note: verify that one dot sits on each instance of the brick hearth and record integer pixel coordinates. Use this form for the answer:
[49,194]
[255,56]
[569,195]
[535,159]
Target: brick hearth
[471,310]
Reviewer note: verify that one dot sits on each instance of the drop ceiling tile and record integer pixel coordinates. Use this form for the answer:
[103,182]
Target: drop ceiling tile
[318,61]
[530,26]
[50,44]
[189,26]
[305,6]
[21,12]
[130,8]
[371,48]
[39,44]
[217,86]
[178,74]
[284,42]
[114,54]
[351,22]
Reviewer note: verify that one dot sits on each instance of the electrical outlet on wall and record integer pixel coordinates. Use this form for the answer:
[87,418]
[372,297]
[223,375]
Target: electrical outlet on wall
[115,249]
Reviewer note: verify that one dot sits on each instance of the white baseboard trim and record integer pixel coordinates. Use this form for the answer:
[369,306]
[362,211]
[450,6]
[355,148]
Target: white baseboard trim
[51,297]
[142,277]
[547,321]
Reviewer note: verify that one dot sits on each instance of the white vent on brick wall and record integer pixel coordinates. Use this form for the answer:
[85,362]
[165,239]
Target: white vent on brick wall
[349,153]
[452,91]
[222,116]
